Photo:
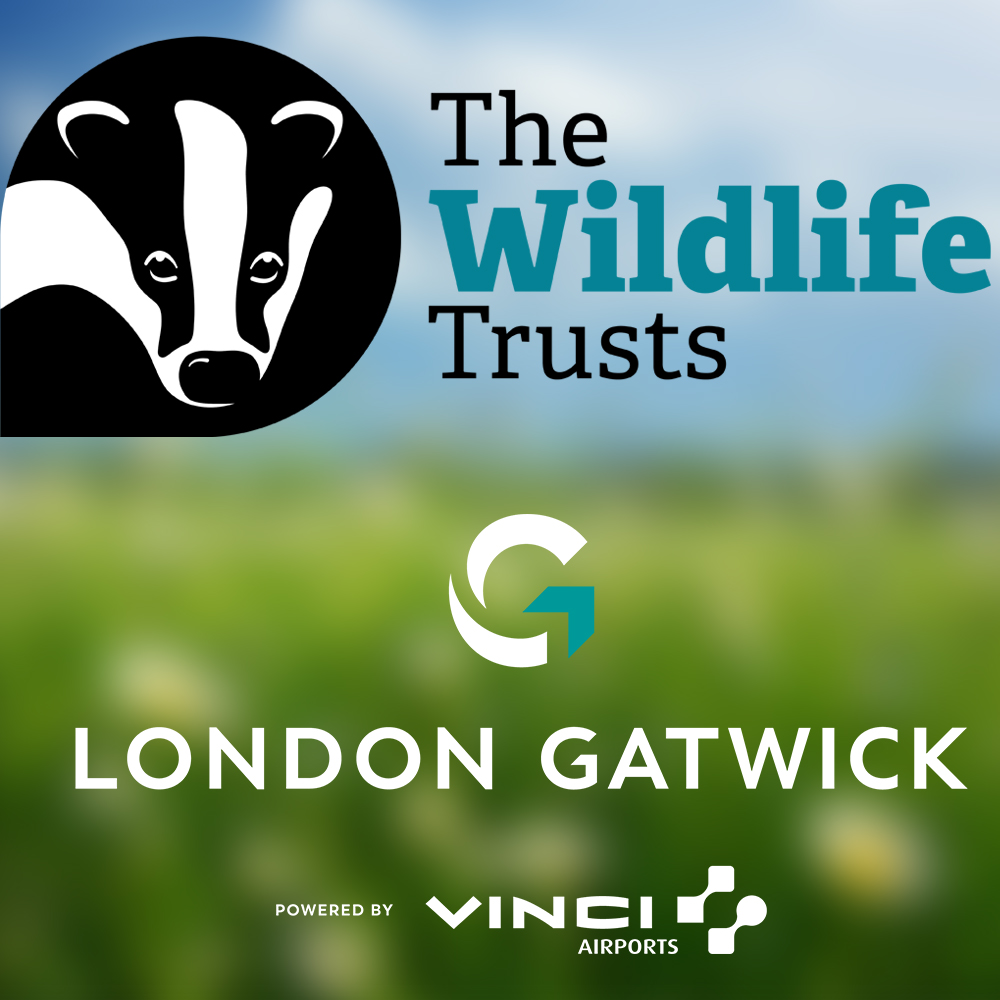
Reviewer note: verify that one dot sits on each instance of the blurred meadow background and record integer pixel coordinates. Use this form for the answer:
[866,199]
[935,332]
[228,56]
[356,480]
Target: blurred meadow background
[811,540]
[152,585]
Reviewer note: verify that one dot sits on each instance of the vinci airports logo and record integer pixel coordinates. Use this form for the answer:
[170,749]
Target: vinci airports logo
[552,535]
[199,236]
[750,912]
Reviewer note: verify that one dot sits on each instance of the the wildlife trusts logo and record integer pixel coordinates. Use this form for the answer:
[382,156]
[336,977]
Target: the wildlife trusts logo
[199,236]
[563,542]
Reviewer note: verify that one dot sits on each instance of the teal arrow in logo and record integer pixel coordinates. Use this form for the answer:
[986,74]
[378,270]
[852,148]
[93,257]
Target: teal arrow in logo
[578,603]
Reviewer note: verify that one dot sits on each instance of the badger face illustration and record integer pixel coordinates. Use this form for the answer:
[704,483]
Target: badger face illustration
[54,234]
[198,216]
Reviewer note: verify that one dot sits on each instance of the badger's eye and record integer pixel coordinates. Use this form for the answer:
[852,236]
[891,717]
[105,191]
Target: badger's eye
[265,267]
[162,267]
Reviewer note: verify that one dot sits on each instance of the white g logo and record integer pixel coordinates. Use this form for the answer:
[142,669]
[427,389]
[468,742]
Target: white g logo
[519,529]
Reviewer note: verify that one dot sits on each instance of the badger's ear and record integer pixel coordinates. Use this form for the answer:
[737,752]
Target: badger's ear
[333,115]
[71,111]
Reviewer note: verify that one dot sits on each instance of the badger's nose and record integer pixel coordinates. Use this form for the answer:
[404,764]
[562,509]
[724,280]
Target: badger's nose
[219,376]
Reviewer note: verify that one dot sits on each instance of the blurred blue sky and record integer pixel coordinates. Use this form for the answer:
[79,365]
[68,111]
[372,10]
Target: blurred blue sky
[694,96]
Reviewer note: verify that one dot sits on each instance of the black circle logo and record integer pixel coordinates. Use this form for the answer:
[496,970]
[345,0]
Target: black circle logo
[200,237]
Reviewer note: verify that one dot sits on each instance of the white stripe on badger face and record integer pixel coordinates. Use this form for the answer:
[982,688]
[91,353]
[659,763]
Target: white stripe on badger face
[53,234]
[215,222]
[308,218]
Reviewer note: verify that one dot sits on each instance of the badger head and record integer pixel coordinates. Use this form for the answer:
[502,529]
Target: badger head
[209,298]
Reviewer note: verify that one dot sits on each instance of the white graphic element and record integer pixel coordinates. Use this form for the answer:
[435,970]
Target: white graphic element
[267,257]
[308,218]
[83,779]
[584,919]
[412,757]
[160,256]
[750,911]
[924,758]
[51,233]
[587,761]
[215,219]
[133,758]
[333,115]
[858,757]
[453,919]
[292,777]
[519,529]
[691,909]
[71,111]
[219,745]
[447,746]
[557,918]
[649,768]
[769,745]
[691,736]
[530,652]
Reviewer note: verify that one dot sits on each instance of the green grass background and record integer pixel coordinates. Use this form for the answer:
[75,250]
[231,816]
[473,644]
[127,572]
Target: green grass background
[150,585]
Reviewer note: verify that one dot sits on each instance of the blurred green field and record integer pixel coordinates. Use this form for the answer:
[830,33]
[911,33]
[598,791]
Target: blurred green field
[150,586]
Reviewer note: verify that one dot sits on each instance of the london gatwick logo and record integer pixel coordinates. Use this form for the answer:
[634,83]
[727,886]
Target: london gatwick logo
[552,535]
